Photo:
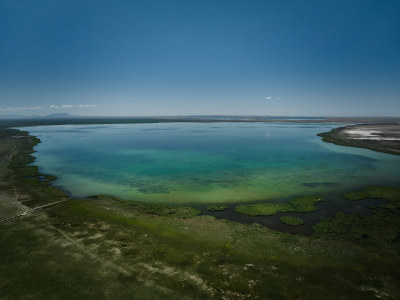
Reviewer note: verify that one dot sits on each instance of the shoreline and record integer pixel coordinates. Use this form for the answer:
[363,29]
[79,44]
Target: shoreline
[377,137]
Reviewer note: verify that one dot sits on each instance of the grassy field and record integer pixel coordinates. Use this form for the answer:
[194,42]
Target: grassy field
[107,248]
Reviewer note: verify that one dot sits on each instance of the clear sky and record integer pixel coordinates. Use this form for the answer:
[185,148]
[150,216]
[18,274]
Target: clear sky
[132,58]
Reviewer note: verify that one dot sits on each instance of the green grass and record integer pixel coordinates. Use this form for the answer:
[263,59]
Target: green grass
[379,231]
[216,207]
[164,210]
[228,256]
[292,221]
[39,264]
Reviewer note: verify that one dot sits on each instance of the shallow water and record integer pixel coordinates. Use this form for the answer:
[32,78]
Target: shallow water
[207,162]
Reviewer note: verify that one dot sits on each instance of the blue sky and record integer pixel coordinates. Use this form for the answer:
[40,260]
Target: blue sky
[133,58]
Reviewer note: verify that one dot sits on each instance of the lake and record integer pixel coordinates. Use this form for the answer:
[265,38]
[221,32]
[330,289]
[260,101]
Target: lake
[199,163]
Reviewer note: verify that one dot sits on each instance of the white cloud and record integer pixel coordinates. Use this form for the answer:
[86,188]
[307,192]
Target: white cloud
[271,98]
[20,108]
[53,106]
[87,105]
[61,106]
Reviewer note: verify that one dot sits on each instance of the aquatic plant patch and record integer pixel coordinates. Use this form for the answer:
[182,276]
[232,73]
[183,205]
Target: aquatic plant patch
[292,221]
[216,207]
[306,204]
[375,192]
[299,204]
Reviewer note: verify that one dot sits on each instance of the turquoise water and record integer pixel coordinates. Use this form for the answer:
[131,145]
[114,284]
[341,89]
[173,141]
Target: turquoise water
[206,162]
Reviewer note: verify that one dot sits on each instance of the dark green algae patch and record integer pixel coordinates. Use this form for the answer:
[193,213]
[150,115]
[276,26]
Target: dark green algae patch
[292,221]
[300,204]
[216,207]
[375,192]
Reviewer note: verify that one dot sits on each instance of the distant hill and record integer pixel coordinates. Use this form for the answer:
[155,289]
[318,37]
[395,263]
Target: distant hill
[50,116]
[13,117]
[58,116]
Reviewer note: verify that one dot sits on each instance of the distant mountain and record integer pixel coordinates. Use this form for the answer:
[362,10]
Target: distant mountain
[50,116]
[58,116]
[12,117]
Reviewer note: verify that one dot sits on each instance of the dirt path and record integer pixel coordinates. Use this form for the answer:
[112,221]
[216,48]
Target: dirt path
[32,210]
